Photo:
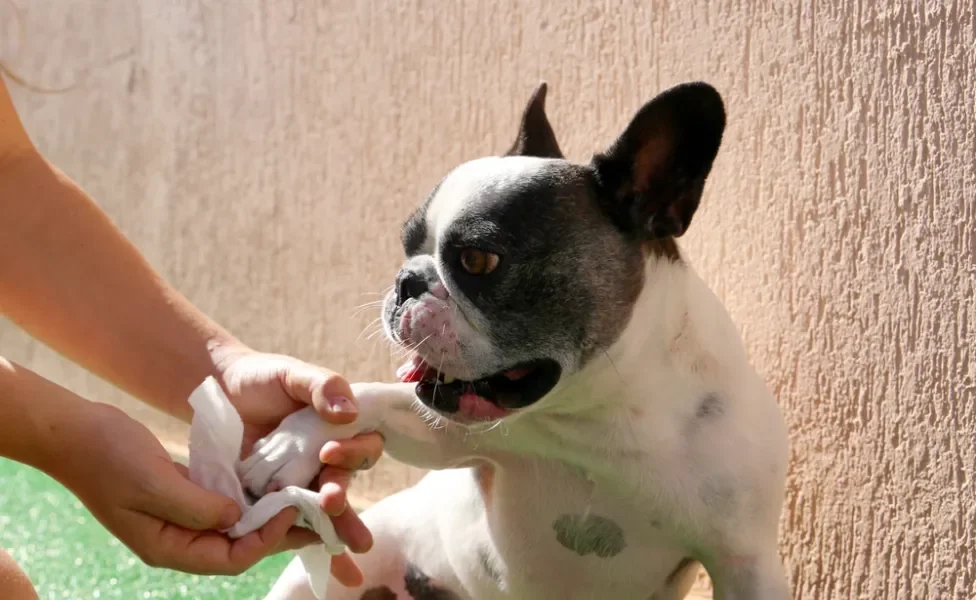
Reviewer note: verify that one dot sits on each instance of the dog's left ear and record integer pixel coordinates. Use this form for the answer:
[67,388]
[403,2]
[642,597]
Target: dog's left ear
[535,136]
[651,179]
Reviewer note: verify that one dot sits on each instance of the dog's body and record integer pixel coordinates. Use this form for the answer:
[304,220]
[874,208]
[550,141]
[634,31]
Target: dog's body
[607,433]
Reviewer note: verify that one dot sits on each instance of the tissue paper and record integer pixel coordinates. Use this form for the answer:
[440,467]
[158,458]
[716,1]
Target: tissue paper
[216,433]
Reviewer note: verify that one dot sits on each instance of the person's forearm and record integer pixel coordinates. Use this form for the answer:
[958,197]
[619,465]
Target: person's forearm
[32,409]
[71,279]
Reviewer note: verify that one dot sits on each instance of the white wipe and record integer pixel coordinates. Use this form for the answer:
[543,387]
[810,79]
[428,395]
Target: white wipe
[215,445]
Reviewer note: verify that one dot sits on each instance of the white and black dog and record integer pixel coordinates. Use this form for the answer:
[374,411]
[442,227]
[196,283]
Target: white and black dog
[595,428]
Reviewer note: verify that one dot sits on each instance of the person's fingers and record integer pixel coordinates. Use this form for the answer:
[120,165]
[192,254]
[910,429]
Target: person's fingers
[296,538]
[181,549]
[358,453]
[323,389]
[346,571]
[269,539]
[209,552]
[175,499]
[333,484]
[351,530]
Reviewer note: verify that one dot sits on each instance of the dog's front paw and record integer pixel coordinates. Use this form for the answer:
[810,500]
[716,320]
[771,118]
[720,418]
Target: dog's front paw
[288,456]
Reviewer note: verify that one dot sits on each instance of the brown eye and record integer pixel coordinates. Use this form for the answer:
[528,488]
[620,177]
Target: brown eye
[478,262]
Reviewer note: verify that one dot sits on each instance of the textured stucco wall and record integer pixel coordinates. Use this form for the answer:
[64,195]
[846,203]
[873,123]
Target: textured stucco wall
[263,154]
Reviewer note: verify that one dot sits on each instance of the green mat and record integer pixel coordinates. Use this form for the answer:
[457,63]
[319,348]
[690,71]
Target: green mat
[68,554]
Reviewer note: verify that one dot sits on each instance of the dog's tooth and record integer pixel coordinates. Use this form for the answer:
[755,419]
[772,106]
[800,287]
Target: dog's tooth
[448,379]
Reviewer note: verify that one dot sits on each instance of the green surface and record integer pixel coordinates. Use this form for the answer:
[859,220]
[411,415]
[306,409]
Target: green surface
[68,554]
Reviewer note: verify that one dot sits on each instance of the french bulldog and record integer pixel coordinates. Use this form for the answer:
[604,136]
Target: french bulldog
[584,401]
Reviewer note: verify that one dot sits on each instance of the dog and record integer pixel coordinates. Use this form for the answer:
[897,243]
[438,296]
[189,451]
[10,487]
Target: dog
[584,401]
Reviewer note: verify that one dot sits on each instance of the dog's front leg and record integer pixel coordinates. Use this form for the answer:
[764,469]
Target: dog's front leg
[290,454]
[409,432]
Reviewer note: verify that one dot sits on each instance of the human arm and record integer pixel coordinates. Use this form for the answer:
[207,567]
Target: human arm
[69,277]
[120,472]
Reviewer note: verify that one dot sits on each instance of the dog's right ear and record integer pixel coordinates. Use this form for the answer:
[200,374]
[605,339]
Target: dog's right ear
[535,136]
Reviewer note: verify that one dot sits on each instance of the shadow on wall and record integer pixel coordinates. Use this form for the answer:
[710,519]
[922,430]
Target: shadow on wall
[264,156]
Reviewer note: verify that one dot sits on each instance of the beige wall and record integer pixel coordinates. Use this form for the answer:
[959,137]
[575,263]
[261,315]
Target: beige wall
[264,157]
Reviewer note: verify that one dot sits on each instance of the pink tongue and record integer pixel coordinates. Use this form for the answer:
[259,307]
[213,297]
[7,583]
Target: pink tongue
[473,405]
[413,370]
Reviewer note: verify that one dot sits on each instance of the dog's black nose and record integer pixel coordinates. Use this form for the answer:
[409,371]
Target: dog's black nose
[410,284]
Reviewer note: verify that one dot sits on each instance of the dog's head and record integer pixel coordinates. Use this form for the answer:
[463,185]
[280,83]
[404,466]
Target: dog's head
[520,268]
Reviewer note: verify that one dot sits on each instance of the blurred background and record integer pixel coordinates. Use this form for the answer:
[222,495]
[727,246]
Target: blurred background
[263,155]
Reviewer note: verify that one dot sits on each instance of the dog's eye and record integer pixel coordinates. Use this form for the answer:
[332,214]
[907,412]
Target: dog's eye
[478,262]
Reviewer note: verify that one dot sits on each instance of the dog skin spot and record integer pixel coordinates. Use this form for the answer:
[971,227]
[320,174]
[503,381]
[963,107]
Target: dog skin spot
[591,535]
[420,587]
[486,558]
[378,593]
[130,85]
[711,406]
[719,496]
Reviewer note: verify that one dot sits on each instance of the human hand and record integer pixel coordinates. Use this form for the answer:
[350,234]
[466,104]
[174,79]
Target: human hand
[122,474]
[266,388]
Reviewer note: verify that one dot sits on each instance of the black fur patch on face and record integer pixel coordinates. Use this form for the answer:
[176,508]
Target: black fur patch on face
[567,278]
[419,586]
[379,593]
[413,234]
[711,406]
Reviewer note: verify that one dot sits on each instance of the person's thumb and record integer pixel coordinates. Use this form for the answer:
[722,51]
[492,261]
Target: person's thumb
[325,390]
[182,502]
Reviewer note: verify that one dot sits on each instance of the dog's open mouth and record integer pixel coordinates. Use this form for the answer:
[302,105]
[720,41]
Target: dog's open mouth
[485,399]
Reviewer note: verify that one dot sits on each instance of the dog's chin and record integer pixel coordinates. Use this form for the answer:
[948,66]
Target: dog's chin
[489,398]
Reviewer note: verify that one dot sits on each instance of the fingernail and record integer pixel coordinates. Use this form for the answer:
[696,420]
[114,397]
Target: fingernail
[341,404]
[229,517]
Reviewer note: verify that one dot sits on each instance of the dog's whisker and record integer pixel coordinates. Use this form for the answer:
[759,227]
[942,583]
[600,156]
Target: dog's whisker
[613,365]
[437,381]
[384,292]
[378,331]
[362,310]
[404,350]
[374,323]
[369,304]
